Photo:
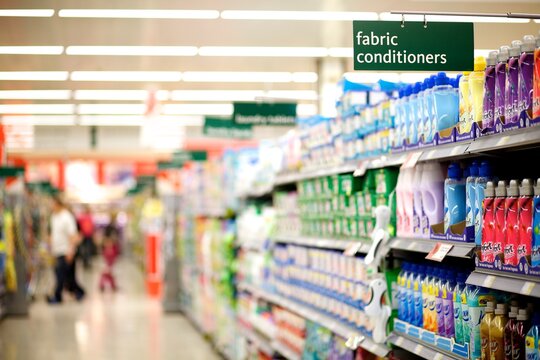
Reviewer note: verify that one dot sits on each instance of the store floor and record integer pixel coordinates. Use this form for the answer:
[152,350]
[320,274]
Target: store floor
[126,325]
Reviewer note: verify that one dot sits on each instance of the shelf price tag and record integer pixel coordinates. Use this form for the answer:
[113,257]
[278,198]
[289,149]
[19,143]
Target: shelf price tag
[352,249]
[527,288]
[439,252]
[488,281]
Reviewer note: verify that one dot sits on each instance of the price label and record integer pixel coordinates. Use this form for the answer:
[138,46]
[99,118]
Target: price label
[488,281]
[361,168]
[439,252]
[527,288]
[352,249]
[439,356]
[418,349]
[399,341]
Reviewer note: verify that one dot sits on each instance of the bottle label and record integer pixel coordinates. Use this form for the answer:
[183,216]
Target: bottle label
[535,252]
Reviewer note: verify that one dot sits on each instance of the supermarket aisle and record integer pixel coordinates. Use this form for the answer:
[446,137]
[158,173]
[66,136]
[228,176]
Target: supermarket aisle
[126,325]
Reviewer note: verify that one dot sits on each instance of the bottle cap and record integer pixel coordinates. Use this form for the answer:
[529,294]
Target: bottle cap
[489,306]
[473,169]
[485,169]
[503,53]
[537,188]
[529,43]
[417,88]
[500,191]
[522,315]
[500,311]
[432,79]
[492,58]
[454,171]
[526,188]
[465,75]
[515,49]
[408,90]
[512,315]
[442,79]
[489,191]
[425,85]
[514,309]
[479,63]
[513,189]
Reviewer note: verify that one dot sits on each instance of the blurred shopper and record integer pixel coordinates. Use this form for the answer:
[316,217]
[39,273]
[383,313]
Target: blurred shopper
[110,252]
[64,239]
[86,225]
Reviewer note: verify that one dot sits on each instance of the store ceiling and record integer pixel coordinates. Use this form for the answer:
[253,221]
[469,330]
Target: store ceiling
[196,34]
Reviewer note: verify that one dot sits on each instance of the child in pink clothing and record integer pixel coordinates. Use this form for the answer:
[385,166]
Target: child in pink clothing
[110,253]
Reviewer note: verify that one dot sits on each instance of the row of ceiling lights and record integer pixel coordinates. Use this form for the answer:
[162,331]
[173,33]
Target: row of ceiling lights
[244,15]
[100,120]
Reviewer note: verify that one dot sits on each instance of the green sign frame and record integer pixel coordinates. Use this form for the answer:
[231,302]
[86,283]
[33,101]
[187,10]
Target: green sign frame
[183,156]
[265,114]
[226,128]
[413,45]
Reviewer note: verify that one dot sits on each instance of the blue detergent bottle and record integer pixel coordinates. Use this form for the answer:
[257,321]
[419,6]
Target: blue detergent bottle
[398,119]
[454,196]
[485,174]
[470,193]
[421,113]
[446,102]
[410,293]
[405,111]
[532,338]
[459,289]
[402,292]
[418,304]
[413,115]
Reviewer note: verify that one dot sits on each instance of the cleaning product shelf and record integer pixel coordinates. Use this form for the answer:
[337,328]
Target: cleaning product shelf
[512,139]
[424,246]
[498,280]
[420,348]
[285,351]
[333,325]
[288,178]
[441,152]
[322,242]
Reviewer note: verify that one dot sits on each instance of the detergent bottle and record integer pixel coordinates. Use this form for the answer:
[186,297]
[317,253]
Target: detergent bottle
[496,345]
[500,82]
[432,188]
[512,76]
[535,251]
[484,175]
[489,91]
[485,326]
[500,220]
[448,303]
[465,107]
[509,332]
[454,197]
[526,74]
[476,86]
[470,193]
[525,206]
[458,313]
[519,335]
[512,226]
[488,223]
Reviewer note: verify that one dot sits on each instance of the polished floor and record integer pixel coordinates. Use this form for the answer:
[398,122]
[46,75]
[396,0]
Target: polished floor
[125,325]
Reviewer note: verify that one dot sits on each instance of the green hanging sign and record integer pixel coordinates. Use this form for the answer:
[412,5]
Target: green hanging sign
[226,128]
[270,114]
[397,46]
[167,165]
[182,156]
[11,171]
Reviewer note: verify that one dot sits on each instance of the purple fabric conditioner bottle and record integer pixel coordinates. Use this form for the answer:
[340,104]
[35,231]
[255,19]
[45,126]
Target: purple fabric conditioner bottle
[500,81]
[511,114]
[526,72]
[489,91]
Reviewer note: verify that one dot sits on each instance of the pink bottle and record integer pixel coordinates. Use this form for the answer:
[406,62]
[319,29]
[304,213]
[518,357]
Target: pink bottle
[408,202]
[512,228]
[525,212]
[500,220]
[400,211]
[488,223]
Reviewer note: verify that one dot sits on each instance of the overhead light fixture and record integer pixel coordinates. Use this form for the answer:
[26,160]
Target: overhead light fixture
[139,13]
[31,50]
[140,76]
[346,52]
[114,95]
[386,16]
[123,120]
[36,94]
[298,15]
[112,109]
[37,109]
[132,50]
[197,109]
[34,75]
[268,51]
[249,76]
[43,120]
[27,12]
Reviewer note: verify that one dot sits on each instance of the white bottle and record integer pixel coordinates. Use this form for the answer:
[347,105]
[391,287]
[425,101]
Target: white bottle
[432,185]
[408,199]
[400,209]
[417,199]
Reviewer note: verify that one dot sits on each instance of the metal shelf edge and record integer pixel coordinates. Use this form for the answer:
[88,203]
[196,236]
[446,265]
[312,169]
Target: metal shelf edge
[420,348]
[517,284]
[459,250]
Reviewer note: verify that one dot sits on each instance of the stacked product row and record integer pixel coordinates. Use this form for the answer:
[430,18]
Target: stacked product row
[490,324]
[287,214]
[343,205]
[324,279]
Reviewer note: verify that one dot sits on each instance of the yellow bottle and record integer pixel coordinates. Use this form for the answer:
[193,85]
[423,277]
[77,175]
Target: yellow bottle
[496,334]
[464,102]
[484,330]
[476,87]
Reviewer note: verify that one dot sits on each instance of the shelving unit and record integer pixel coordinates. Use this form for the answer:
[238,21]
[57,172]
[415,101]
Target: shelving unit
[322,242]
[333,325]
[424,246]
[285,351]
[259,341]
[420,348]
[498,280]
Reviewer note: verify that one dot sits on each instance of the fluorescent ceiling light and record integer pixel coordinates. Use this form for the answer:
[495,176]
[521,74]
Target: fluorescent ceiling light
[36,94]
[27,12]
[135,95]
[37,109]
[197,109]
[346,52]
[292,94]
[298,15]
[31,50]
[139,13]
[34,75]
[45,120]
[113,109]
[241,95]
[141,76]
[306,110]
[305,77]
[133,50]
[386,16]
[268,51]
[236,76]
[122,120]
